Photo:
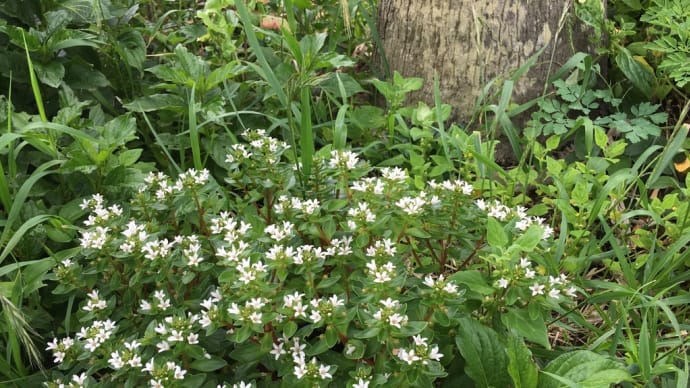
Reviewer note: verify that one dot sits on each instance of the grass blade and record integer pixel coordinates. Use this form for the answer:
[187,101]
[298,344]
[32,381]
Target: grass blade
[194,132]
[21,231]
[34,83]
[306,138]
[20,197]
[677,139]
[266,69]
[162,145]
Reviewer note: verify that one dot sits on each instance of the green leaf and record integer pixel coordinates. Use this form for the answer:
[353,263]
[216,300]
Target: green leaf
[132,47]
[495,234]
[306,137]
[519,321]
[474,280]
[521,367]
[368,333]
[413,328]
[585,369]
[247,352]
[530,238]
[354,349]
[129,157]
[290,328]
[208,365]
[156,102]
[51,73]
[485,357]
[638,74]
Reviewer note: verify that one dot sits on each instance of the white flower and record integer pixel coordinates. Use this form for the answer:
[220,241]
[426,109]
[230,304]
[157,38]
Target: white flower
[94,302]
[79,379]
[408,356]
[571,292]
[530,273]
[176,336]
[410,205]
[131,346]
[163,346]
[397,320]
[503,283]
[149,366]
[255,317]
[537,289]
[156,384]
[324,371]
[315,316]
[395,174]
[434,354]
[278,350]
[346,160]
[300,370]
[419,340]
[278,232]
[115,361]
[361,383]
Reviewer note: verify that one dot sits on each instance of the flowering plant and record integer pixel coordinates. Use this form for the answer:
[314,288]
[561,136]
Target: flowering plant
[360,278]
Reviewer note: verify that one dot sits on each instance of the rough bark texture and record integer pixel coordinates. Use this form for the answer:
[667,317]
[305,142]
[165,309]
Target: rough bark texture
[470,42]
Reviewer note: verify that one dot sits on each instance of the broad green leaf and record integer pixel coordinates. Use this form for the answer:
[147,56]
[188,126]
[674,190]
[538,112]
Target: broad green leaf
[519,321]
[521,367]
[50,74]
[208,365]
[486,361]
[474,280]
[170,74]
[635,71]
[586,369]
[132,47]
[495,234]
[530,238]
[129,157]
[247,352]
[413,328]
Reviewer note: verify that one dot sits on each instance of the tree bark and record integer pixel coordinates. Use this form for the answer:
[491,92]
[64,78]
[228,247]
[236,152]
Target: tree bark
[470,42]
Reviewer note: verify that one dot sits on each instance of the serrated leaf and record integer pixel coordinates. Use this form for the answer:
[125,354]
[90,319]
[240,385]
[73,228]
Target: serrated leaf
[486,361]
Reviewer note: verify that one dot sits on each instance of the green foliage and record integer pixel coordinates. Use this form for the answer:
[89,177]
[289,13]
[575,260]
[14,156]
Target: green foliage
[279,257]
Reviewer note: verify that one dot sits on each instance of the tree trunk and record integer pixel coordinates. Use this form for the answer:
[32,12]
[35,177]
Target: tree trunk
[470,42]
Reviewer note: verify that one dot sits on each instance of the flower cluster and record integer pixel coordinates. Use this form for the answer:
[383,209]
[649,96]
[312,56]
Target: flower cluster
[420,353]
[200,280]
[390,313]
